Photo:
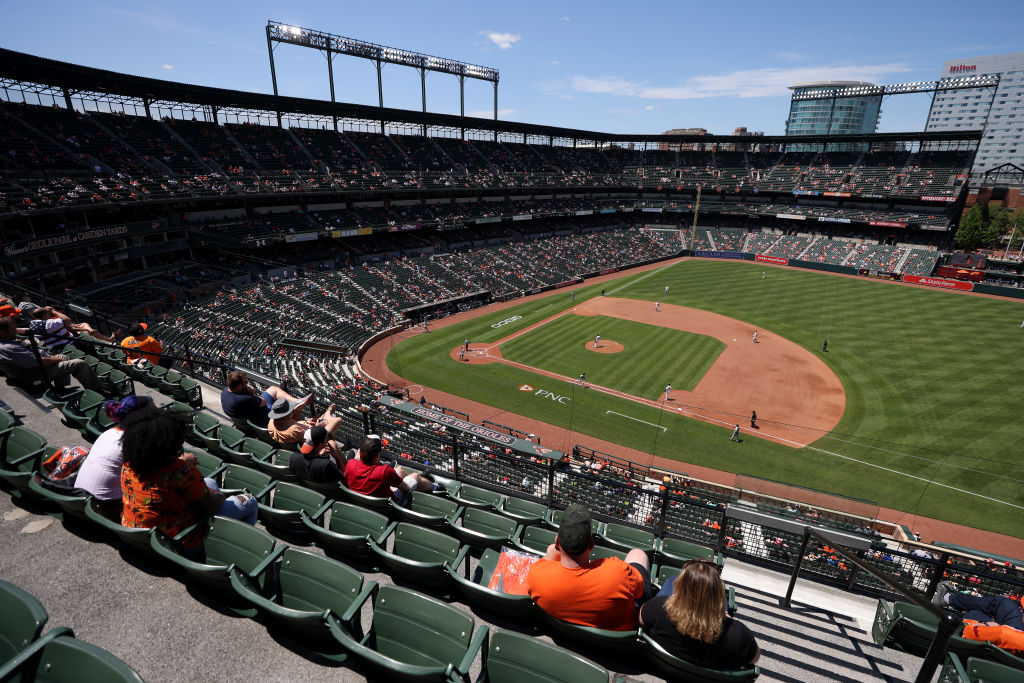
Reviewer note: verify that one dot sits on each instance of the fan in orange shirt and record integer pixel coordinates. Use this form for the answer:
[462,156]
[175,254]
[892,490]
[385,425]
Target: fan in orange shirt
[138,344]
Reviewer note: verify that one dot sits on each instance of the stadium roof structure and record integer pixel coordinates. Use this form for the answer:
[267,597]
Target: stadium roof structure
[57,77]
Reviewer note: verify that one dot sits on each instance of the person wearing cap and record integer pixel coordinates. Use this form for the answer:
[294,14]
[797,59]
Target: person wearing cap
[138,344]
[286,425]
[19,357]
[241,402]
[100,473]
[318,459]
[570,586]
[365,474]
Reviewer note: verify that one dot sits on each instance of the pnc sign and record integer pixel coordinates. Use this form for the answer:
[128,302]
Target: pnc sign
[507,321]
[960,68]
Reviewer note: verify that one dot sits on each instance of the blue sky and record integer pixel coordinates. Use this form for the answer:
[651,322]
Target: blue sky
[606,66]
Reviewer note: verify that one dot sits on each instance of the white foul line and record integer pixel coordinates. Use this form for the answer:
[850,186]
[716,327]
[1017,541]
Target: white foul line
[612,412]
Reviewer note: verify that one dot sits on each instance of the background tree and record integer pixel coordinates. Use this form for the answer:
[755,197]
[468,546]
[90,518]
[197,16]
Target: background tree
[971,225]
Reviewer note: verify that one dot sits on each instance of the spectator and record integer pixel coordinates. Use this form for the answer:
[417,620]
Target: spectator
[100,473]
[689,620]
[603,593]
[366,475]
[19,358]
[286,426]
[138,344]
[161,486]
[996,619]
[55,330]
[241,402]
[318,460]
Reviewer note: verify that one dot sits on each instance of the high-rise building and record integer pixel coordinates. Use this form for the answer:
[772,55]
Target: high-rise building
[1001,117]
[840,116]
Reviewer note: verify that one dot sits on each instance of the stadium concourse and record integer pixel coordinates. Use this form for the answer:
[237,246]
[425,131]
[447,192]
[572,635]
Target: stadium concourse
[147,614]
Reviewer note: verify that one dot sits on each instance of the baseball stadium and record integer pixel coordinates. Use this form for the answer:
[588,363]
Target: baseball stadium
[762,354]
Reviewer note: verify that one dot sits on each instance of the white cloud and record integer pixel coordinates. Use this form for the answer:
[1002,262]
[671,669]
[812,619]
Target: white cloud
[767,82]
[168,67]
[794,56]
[489,113]
[564,19]
[503,40]
[650,107]
[553,62]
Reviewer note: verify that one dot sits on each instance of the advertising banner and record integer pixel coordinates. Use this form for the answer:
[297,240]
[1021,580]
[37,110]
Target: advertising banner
[888,224]
[778,260]
[718,254]
[300,237]
[939,282]
[829,219]
[939,199]
[791,216]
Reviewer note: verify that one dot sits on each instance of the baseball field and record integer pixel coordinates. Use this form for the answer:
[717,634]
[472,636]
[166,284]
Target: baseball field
[915,405]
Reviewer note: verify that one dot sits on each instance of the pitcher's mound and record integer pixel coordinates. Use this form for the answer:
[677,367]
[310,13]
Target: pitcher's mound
[607,346]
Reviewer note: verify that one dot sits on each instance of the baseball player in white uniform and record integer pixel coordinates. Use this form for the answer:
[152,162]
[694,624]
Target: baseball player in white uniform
[597,341]
[755,337]
[668,390]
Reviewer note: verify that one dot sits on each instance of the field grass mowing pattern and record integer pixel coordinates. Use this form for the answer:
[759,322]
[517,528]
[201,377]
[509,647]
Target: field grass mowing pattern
[652,356]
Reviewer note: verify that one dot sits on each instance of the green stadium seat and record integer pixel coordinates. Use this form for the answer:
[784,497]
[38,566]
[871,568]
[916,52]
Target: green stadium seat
[554,518]
[482,529]
[910,628]
[675,552]
[262,433]
[72,506]
[427,509]
[621,643]
[475,591]
[525,512]
[119,383]
[64,659]
[475,497]
[98,424]
[80,410]
[283,513]
[413,638]
[230,444]
[58,397]
[300,594]
[381,505]
[132,538]
[228,544]
[349,530]
[236,479]
[534,539]
[20,455]
[23,622]
[601,551]
[626,537]
[204,431]
[673,668]
[274,463]
[189,391]
[6,423]
[511,657]
[420,555]
[209,465]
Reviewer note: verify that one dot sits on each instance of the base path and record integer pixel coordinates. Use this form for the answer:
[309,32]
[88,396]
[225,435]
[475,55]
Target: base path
[797,397]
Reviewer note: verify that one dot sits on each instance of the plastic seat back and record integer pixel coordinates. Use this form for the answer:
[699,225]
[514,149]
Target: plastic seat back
[474,496]
[525,511]
[420,544]
[237,478]
[230,541]
[20,456]
[427,509]
[65,660]
[627,537]
[483,529]
[208,464]
[312,582]
[415,629]
[23,620]
[512,657]
[673,668]
[535,539]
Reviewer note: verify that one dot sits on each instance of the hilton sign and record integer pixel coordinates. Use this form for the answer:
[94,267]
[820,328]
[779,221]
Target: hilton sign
[959,68]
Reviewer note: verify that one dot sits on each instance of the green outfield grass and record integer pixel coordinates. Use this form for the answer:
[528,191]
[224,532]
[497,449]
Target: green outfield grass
[932,381]
[563,346]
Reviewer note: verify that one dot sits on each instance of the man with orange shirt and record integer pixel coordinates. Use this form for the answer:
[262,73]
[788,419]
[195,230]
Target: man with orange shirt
[570,586]
[138,344]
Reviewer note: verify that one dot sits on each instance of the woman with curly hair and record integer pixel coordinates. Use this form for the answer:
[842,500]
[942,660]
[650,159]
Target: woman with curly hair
[688,619]
[160,484]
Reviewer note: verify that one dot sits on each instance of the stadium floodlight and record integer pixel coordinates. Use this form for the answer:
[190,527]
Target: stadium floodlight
[379,54]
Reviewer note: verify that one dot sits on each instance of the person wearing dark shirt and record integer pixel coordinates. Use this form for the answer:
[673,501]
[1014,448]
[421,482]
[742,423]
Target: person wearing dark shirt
[688,619]
[241,402]
[318,459]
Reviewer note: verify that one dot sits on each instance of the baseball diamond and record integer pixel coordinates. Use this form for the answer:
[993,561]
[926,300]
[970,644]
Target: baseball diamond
[879,417]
